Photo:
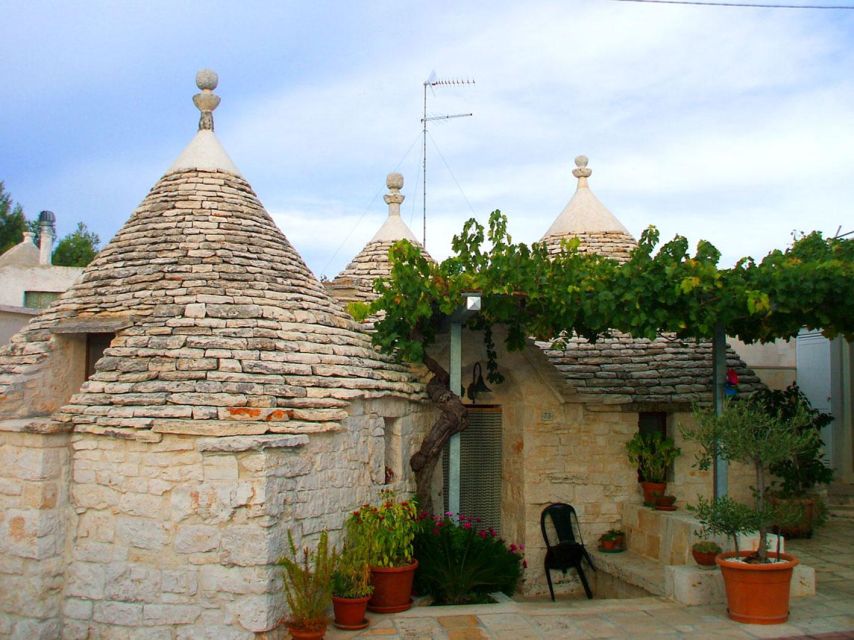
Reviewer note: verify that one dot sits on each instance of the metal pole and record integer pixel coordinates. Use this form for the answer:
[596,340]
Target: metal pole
[454,443]
[718,380]
[424,171]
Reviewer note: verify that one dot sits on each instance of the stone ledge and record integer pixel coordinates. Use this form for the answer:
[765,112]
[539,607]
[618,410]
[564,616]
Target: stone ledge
[695,585]
[40,425]
[632,568]
[236,444]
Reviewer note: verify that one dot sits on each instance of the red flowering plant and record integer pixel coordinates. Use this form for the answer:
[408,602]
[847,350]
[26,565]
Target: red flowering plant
[461,562]
[387,531]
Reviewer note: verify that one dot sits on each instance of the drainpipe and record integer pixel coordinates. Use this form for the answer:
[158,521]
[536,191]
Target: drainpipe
[47,221]
[718,380]
[461,315]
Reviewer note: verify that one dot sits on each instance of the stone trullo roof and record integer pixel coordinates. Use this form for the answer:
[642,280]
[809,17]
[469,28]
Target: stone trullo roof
[621,370]
[356,281]
[587,219]
[220,326]
[23,254]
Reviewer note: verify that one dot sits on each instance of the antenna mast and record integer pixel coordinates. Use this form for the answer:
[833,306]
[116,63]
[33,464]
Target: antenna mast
[431,82]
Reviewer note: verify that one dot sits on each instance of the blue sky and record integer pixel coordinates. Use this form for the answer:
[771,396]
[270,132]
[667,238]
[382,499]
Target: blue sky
[732,125]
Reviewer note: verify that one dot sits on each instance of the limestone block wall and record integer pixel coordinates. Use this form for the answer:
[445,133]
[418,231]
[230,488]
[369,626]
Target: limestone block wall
[33,496]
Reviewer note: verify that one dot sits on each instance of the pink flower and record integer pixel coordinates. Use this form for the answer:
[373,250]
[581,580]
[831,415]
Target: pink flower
[482,534]
[467,525]
[513,548]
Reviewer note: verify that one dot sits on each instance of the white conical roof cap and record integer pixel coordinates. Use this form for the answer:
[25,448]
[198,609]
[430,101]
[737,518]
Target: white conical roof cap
[394,228]
[584,213]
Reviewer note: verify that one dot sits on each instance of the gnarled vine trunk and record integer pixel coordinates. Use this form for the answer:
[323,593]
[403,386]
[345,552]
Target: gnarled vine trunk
[452,419]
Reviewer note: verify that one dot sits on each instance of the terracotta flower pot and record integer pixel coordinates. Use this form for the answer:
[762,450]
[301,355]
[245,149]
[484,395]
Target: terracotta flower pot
[757,593]
[651,490]
[392,588]
[307,634]
[704,558]
[608,545]
[350,612]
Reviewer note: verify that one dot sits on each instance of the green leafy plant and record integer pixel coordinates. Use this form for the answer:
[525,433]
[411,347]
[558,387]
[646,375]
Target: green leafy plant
[706,546]
[746,432]
[352,577]
[659,289]
[613,534]
[799,473]
[388,530]
[458,563]
[653,454]
[308,582]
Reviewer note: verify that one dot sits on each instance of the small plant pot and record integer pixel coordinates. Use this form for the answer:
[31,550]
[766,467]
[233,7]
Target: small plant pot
[704,558]
[307,634]
[664,501]
[651,490]
[350,612]
[392,588]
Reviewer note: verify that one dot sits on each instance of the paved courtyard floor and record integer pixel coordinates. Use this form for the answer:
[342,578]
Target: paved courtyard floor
[828,615]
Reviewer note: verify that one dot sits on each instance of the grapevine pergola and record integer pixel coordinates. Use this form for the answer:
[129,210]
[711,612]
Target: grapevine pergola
[551,297]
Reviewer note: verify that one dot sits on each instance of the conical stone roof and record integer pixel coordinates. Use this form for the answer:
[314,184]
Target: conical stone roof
[356,281]
[587,219]
[221,328]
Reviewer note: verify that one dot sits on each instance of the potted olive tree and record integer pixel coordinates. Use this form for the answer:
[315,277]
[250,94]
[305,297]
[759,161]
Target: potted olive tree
[757,581]
[308,587]
[390,531]
[653,454]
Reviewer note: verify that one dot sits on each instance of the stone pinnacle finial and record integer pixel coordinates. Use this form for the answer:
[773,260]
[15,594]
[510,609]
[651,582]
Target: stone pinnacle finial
[581,171]
[207,100]
[394,182]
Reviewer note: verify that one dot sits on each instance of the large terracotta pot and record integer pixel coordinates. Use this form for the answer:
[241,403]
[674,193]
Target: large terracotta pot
[307,634]
[651,490]
[757,593]
[350,612]
[392,588]
[804,526]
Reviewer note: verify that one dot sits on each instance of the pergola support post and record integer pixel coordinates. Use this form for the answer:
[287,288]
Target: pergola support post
[719,380]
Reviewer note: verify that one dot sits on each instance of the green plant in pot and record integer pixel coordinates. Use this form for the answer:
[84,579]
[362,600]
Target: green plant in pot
[704,552]
[757,581]
[308,587]
[653,454]
[801,473]
[351,582]
[389,530]
[613,540]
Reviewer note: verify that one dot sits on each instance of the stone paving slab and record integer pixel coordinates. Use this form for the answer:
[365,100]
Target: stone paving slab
[827,616]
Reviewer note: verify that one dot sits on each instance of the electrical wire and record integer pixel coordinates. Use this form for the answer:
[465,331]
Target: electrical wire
[435,146]
[744,4]
[367,208]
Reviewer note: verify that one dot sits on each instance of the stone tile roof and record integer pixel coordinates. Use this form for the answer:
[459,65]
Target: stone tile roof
[660,374]
[221,328]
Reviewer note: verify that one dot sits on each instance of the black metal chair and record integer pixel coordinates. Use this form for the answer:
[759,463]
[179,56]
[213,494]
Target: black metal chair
[567,552]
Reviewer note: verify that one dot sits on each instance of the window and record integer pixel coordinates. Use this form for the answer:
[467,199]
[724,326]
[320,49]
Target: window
[480,467]
[654,422]
[39,299]
[96,343]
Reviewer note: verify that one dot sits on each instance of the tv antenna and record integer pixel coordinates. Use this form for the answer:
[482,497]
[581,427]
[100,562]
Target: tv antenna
[431,82]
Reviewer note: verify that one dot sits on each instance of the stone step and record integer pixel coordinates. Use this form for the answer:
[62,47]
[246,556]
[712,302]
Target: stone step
[632,568]
[841,512]
[840,493]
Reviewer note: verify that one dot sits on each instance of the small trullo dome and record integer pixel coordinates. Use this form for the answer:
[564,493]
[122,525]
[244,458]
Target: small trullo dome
[587,219]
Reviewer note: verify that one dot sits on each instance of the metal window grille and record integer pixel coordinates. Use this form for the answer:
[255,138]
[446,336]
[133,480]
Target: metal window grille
[480,467]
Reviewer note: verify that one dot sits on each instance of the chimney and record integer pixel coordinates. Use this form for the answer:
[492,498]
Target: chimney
[46,234]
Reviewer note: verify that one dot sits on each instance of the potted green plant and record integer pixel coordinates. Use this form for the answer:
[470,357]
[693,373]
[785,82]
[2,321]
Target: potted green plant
[801,473]
[757,581]
[308,587]
[653,454]
[705,552]
[612,541]
[390,531]
[351,582]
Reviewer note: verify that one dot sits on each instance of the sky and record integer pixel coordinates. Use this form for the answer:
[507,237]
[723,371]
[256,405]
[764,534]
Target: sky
[734,125]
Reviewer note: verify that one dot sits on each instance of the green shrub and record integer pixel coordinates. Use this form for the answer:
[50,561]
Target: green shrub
[461,564]
[308,582]
[388,530]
